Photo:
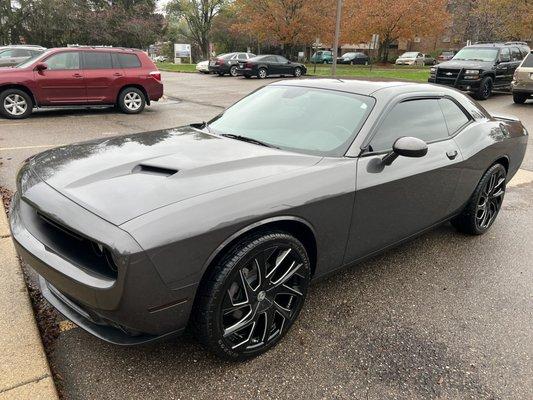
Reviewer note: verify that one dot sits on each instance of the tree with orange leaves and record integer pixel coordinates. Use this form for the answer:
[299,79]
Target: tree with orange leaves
[392,20]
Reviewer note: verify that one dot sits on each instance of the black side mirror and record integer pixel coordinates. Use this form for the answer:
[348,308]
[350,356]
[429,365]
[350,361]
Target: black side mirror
[407,147]
[40,66]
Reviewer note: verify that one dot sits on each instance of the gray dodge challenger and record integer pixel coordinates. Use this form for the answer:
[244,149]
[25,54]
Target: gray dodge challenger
[220,226]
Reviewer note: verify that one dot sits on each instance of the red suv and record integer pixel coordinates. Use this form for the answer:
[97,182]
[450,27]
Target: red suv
[80,76]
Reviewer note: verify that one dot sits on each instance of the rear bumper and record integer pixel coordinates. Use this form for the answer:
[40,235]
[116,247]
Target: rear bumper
[522,87]
[156,91]
[135,306]
[219,69]
[245,71]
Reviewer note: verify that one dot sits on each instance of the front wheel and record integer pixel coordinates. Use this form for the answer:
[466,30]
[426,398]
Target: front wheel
[233,71]
[252,296]
[485,89]
[297,72]
[15,104]
[520,98]
[484,205]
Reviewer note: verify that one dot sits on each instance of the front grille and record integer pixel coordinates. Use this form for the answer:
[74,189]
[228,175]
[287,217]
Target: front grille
[77,249]
[447,76]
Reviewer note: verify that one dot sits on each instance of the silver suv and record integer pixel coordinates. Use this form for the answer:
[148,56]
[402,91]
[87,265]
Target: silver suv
[522,85]
[16,54]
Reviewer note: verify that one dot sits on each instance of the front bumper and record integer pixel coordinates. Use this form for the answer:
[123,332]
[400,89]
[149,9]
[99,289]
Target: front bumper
[132,307]
[465,85]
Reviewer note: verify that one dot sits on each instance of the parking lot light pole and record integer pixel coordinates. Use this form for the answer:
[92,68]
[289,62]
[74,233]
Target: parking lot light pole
[336,41]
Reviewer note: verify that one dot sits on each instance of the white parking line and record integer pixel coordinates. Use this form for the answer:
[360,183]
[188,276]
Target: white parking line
[522,177]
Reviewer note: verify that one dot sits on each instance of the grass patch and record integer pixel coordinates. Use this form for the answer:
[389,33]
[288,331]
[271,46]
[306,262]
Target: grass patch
[171,67]
[416,74]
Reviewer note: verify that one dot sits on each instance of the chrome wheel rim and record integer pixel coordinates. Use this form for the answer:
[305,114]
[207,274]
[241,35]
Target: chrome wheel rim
[263,299]
[262,73]
[233,71]
[15,104]
[132,101]
[297,72]
[490,200]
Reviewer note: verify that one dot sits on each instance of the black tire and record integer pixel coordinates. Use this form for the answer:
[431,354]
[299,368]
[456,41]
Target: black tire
[233,71]
[131,100]
[262,73]
[485,89]
[297,72]
[520,98]
[15,104]
[484,205]
[227,304]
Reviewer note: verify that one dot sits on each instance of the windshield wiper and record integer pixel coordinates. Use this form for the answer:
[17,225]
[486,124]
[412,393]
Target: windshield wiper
[247,139]
[202,125]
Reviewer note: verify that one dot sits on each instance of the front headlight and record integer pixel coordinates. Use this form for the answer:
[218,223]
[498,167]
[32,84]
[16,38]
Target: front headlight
[472,72]
[432,70]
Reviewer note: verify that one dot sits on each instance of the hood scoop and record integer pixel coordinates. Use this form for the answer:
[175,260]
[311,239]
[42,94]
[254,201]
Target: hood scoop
[154,170]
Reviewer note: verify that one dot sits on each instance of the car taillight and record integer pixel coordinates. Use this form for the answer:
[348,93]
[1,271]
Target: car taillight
[156,75]
[219,61]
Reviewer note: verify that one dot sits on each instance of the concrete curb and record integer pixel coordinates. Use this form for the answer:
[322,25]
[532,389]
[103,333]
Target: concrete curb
[24,370]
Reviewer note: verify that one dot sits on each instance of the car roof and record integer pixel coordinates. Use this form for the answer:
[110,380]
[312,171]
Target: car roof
[88,48]
[370,88]
[23,47]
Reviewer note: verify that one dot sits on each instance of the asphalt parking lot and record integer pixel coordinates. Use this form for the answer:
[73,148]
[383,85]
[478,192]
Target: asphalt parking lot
[444,316]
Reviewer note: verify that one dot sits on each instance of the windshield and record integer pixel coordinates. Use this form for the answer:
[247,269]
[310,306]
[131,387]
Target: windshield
[31,60]
[308,120]
[477,54]
[409,55]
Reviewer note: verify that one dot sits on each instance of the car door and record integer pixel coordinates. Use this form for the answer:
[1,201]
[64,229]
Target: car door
[284,66]
[102,77]
[503,67]
[62,82]
[397,201]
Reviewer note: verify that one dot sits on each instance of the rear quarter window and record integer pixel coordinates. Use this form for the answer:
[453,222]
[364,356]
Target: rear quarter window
[128,60]
[528,62]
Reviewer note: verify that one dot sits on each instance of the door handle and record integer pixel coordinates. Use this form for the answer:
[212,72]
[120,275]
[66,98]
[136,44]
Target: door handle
[117,74]
[452,154]
[77,75]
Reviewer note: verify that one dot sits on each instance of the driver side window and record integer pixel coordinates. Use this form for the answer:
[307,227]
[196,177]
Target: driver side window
[421,118]
[68,60]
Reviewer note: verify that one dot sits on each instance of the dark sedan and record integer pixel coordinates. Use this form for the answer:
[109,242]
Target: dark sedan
[268,65]
[354,58]
[227,63]
[222,225]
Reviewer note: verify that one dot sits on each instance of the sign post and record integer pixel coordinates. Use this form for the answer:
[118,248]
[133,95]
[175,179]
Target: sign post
[182,50]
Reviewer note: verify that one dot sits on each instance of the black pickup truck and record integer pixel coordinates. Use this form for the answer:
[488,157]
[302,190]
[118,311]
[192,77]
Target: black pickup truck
[481,68]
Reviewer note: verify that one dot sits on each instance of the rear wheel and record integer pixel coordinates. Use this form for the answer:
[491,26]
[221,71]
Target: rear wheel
[15,104]
[520,98]
[253,296]
[484,205]
[262,73]
[131,100]
[233,71]
[485,89]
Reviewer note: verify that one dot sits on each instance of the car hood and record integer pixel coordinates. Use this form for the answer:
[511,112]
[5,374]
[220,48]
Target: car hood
[123,177]
[458,64]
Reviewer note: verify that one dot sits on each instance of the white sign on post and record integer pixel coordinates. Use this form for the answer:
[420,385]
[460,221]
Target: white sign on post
[182,50]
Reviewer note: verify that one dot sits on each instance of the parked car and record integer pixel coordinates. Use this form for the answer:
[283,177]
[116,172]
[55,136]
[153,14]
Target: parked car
[322,57]
[445,56]
[480,68]
[268,65]
[160,59]
[522,84]
[228,63]
[415,58]
[13,55]
[221,226]
[203,67]
[354,58]
[80,76]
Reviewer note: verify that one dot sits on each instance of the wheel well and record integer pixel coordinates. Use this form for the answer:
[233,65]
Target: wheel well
[503,161]
[299,230]
[140,87]
[20,87]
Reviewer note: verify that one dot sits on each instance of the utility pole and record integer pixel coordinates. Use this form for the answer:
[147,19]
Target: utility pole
[336,41]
